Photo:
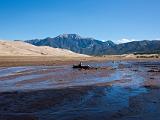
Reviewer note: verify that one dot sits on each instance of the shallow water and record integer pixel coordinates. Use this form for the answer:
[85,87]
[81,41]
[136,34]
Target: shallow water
[100,102]
[42,77]
[63,93]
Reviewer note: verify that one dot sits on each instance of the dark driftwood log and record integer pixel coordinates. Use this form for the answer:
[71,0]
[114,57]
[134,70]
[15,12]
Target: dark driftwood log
[82,67]
[87,67]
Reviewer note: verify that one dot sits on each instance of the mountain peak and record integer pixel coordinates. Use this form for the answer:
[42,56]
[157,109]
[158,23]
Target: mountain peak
[71,36]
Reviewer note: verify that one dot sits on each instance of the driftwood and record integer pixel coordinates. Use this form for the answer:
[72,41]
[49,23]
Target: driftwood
[87,67]
[82,67]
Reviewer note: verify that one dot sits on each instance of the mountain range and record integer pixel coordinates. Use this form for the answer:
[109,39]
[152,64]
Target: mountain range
[92,46]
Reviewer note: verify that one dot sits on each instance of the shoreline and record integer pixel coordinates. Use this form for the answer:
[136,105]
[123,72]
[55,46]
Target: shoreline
[13,61]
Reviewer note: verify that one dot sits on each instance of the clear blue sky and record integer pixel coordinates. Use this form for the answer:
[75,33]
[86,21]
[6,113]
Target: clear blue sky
[101,19]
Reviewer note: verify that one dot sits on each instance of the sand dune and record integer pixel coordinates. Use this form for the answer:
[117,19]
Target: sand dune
[19,48]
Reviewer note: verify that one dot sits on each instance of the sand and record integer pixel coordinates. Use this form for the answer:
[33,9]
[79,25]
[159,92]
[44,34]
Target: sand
[19,48]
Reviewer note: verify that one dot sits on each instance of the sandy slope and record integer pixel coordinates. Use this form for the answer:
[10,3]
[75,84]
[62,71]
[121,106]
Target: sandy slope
[19,48]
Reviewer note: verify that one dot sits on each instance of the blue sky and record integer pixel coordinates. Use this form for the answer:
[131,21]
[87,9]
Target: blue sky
[101,19]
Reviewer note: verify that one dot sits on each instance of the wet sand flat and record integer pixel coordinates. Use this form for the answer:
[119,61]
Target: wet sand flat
[125,90]
[10,61]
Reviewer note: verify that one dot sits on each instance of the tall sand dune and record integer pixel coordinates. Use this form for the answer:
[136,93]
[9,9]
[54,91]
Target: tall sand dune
[19,48]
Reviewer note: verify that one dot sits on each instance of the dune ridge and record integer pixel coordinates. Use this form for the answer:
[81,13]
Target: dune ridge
[19,48]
